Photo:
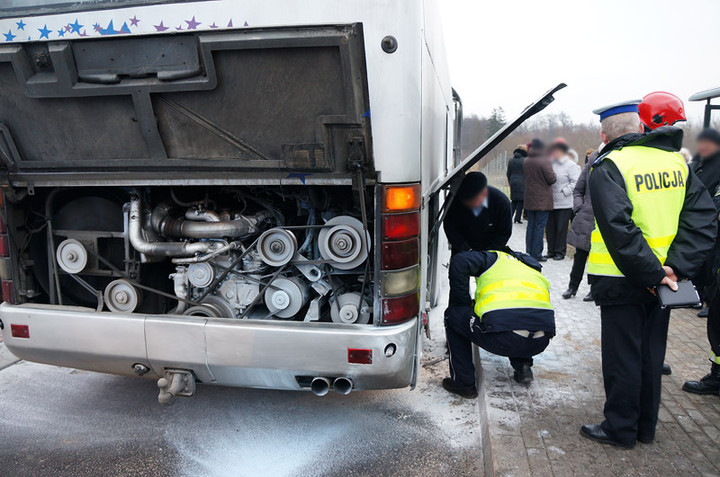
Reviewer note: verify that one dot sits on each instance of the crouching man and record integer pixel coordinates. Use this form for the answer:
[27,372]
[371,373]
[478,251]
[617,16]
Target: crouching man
[511,315]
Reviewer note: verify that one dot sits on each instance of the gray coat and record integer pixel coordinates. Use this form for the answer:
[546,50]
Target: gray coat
[584,222]
[567,173]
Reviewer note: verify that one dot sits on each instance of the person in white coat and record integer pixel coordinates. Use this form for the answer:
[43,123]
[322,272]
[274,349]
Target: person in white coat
[567,172]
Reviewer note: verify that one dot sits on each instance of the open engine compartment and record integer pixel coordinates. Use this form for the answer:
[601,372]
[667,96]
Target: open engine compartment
[298,253]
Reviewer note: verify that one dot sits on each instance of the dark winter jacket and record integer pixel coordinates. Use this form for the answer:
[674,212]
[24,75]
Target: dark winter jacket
[473,264]
[539,177]
[695,237]
[584,222]
[515,176]
[708,171]
[490,230]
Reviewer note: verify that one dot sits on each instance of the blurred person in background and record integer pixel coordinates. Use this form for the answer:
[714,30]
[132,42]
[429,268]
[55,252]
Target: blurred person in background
[588,153]
[567,173]
[706,165]
[539,178]
[685,153]
[581,228]
[573,155]
[516,179]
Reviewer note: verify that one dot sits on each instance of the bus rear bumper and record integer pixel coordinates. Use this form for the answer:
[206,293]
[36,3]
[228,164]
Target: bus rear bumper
[261,354]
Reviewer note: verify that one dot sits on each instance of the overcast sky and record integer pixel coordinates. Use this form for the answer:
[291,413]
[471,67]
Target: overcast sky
[507,52]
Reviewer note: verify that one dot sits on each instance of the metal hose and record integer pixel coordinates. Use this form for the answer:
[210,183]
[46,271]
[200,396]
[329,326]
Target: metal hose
[240,227]
[167,249]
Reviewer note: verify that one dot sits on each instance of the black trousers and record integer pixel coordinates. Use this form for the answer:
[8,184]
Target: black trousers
[556,231]
[578,268]
[713,326]
[463,328]
[517,209]
[634,338]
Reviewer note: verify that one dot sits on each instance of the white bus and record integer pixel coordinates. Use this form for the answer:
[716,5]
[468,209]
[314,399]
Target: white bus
[235,192]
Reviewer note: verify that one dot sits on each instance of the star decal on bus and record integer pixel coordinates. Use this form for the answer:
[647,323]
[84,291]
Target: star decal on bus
[44,32]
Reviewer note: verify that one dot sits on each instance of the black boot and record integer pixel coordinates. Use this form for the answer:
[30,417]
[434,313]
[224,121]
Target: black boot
[666,369]
[595,432]
[588,297]
[468,392]
[703,313]
[709,384]
[569,293]
[523,374]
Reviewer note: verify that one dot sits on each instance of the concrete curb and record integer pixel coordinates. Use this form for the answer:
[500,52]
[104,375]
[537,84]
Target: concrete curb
[504,452]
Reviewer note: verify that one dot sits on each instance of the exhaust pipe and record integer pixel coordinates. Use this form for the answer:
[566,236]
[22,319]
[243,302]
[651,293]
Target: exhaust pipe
[320,386]
[343,386]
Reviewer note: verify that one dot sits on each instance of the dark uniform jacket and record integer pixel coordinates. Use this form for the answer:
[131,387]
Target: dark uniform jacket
[473,264]
[628,248]
[708,171]
[490,230]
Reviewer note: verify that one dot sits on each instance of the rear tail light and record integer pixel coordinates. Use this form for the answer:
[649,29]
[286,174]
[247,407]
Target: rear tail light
[400,253]
[4,246]
[397,310]
[8,291]
[3,228]
[401,226]
[20,331]
[400,282]
[401,198]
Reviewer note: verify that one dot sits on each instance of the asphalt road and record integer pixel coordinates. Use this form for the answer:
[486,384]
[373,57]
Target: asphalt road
[60,421]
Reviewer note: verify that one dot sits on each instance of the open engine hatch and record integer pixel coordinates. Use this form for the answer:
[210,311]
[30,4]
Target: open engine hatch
[251,100]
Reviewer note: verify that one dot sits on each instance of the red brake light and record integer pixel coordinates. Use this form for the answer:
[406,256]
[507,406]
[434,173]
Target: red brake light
[20,331]
[396,255]
[4,246]
[401,226]
[359,356]
[8,291]
[3,228]
[397,310]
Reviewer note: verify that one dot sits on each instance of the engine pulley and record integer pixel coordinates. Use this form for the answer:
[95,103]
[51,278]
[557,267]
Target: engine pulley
[285,297]
[121,297]
[350,308]
[344,242]
[72,256]
[201,274]
[211,307]
[277,247]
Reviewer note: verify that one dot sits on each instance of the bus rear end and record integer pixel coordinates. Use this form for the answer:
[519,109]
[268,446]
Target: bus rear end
[190,201]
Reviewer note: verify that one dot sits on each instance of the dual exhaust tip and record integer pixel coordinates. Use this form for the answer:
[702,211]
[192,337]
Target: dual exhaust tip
[321,386]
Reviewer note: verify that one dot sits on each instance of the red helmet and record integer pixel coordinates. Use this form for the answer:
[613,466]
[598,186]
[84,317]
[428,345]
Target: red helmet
[661,109]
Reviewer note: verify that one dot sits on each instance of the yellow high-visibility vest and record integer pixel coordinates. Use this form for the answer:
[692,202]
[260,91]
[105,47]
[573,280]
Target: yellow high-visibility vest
[655,181]
[509,283]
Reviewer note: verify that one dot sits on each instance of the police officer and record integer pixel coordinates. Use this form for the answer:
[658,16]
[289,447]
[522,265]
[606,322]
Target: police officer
[659,109]
[511,314]
[707,167]
[480,217]
[655,222]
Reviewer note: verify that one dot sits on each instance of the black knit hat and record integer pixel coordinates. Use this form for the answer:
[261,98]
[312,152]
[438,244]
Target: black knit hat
[537,144]
[472,184]
[709,134]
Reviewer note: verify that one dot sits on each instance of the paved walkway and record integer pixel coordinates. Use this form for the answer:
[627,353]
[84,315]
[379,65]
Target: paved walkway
[535,430]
